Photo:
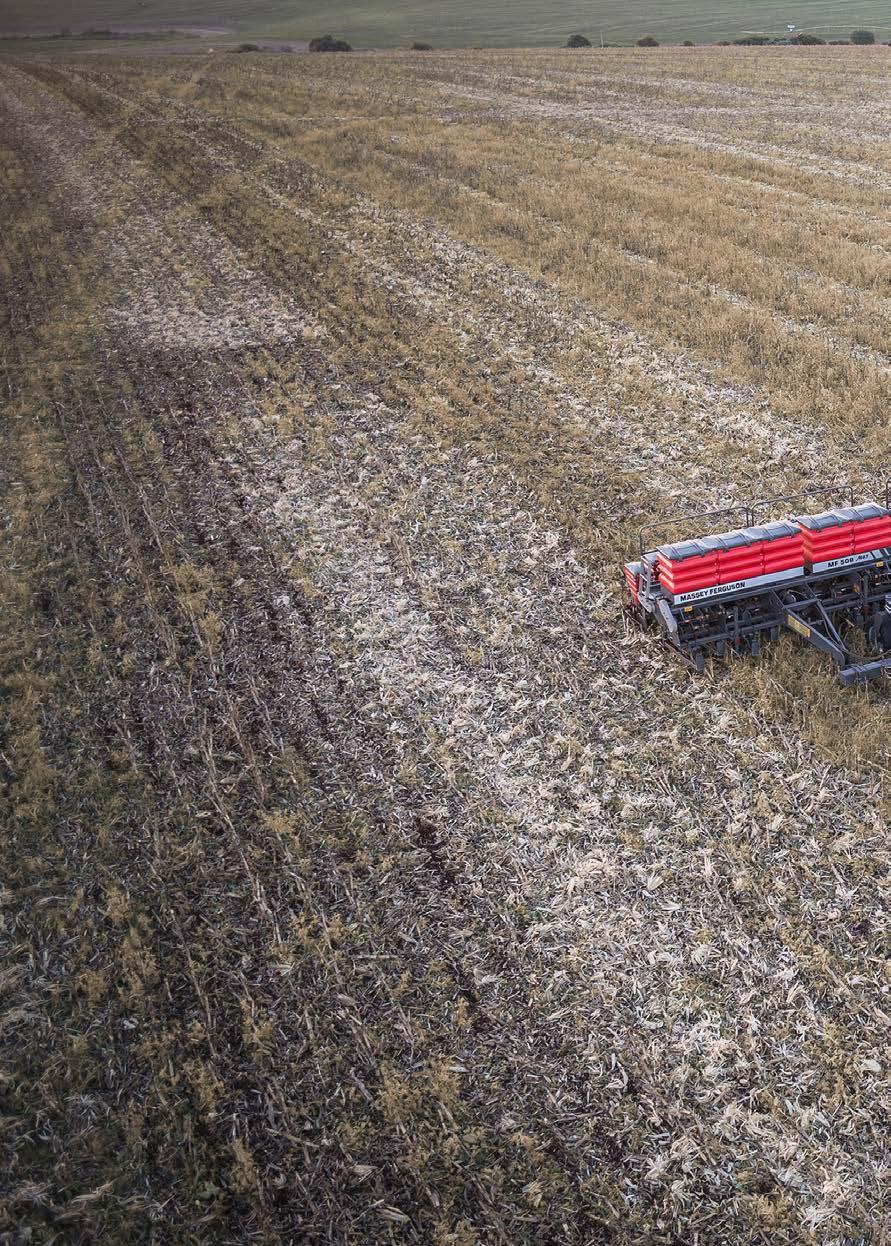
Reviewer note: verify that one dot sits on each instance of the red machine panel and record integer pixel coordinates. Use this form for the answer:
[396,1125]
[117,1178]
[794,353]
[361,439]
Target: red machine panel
[632,579]
[687,566]
[731,559]
[842,537]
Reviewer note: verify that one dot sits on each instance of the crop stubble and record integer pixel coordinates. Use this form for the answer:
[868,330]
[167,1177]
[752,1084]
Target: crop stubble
[387,885]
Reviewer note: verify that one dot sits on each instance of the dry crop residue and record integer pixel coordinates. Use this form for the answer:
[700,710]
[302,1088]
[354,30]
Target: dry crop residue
[387,886]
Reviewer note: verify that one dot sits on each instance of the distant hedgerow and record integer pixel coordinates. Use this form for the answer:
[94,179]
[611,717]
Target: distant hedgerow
[327,43]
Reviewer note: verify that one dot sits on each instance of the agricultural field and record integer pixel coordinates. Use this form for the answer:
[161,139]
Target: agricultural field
[368,877]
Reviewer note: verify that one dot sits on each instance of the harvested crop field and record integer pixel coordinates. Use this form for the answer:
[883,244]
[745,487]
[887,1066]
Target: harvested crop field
[368,877]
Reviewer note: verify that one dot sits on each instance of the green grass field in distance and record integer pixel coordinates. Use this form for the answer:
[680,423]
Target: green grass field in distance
[462,23]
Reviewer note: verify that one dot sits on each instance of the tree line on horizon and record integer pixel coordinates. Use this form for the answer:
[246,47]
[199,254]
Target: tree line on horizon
[802,38]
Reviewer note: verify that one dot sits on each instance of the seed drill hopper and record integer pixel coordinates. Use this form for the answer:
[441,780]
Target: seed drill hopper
[826,577]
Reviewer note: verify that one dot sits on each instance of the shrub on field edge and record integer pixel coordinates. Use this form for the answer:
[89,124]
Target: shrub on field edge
[327,43]
[862,36]
[246,47]
[422,47]
[810,41]
[688,43]
[648,42]
[578,41]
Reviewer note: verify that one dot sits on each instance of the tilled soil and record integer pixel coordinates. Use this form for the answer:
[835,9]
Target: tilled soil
[370,879]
